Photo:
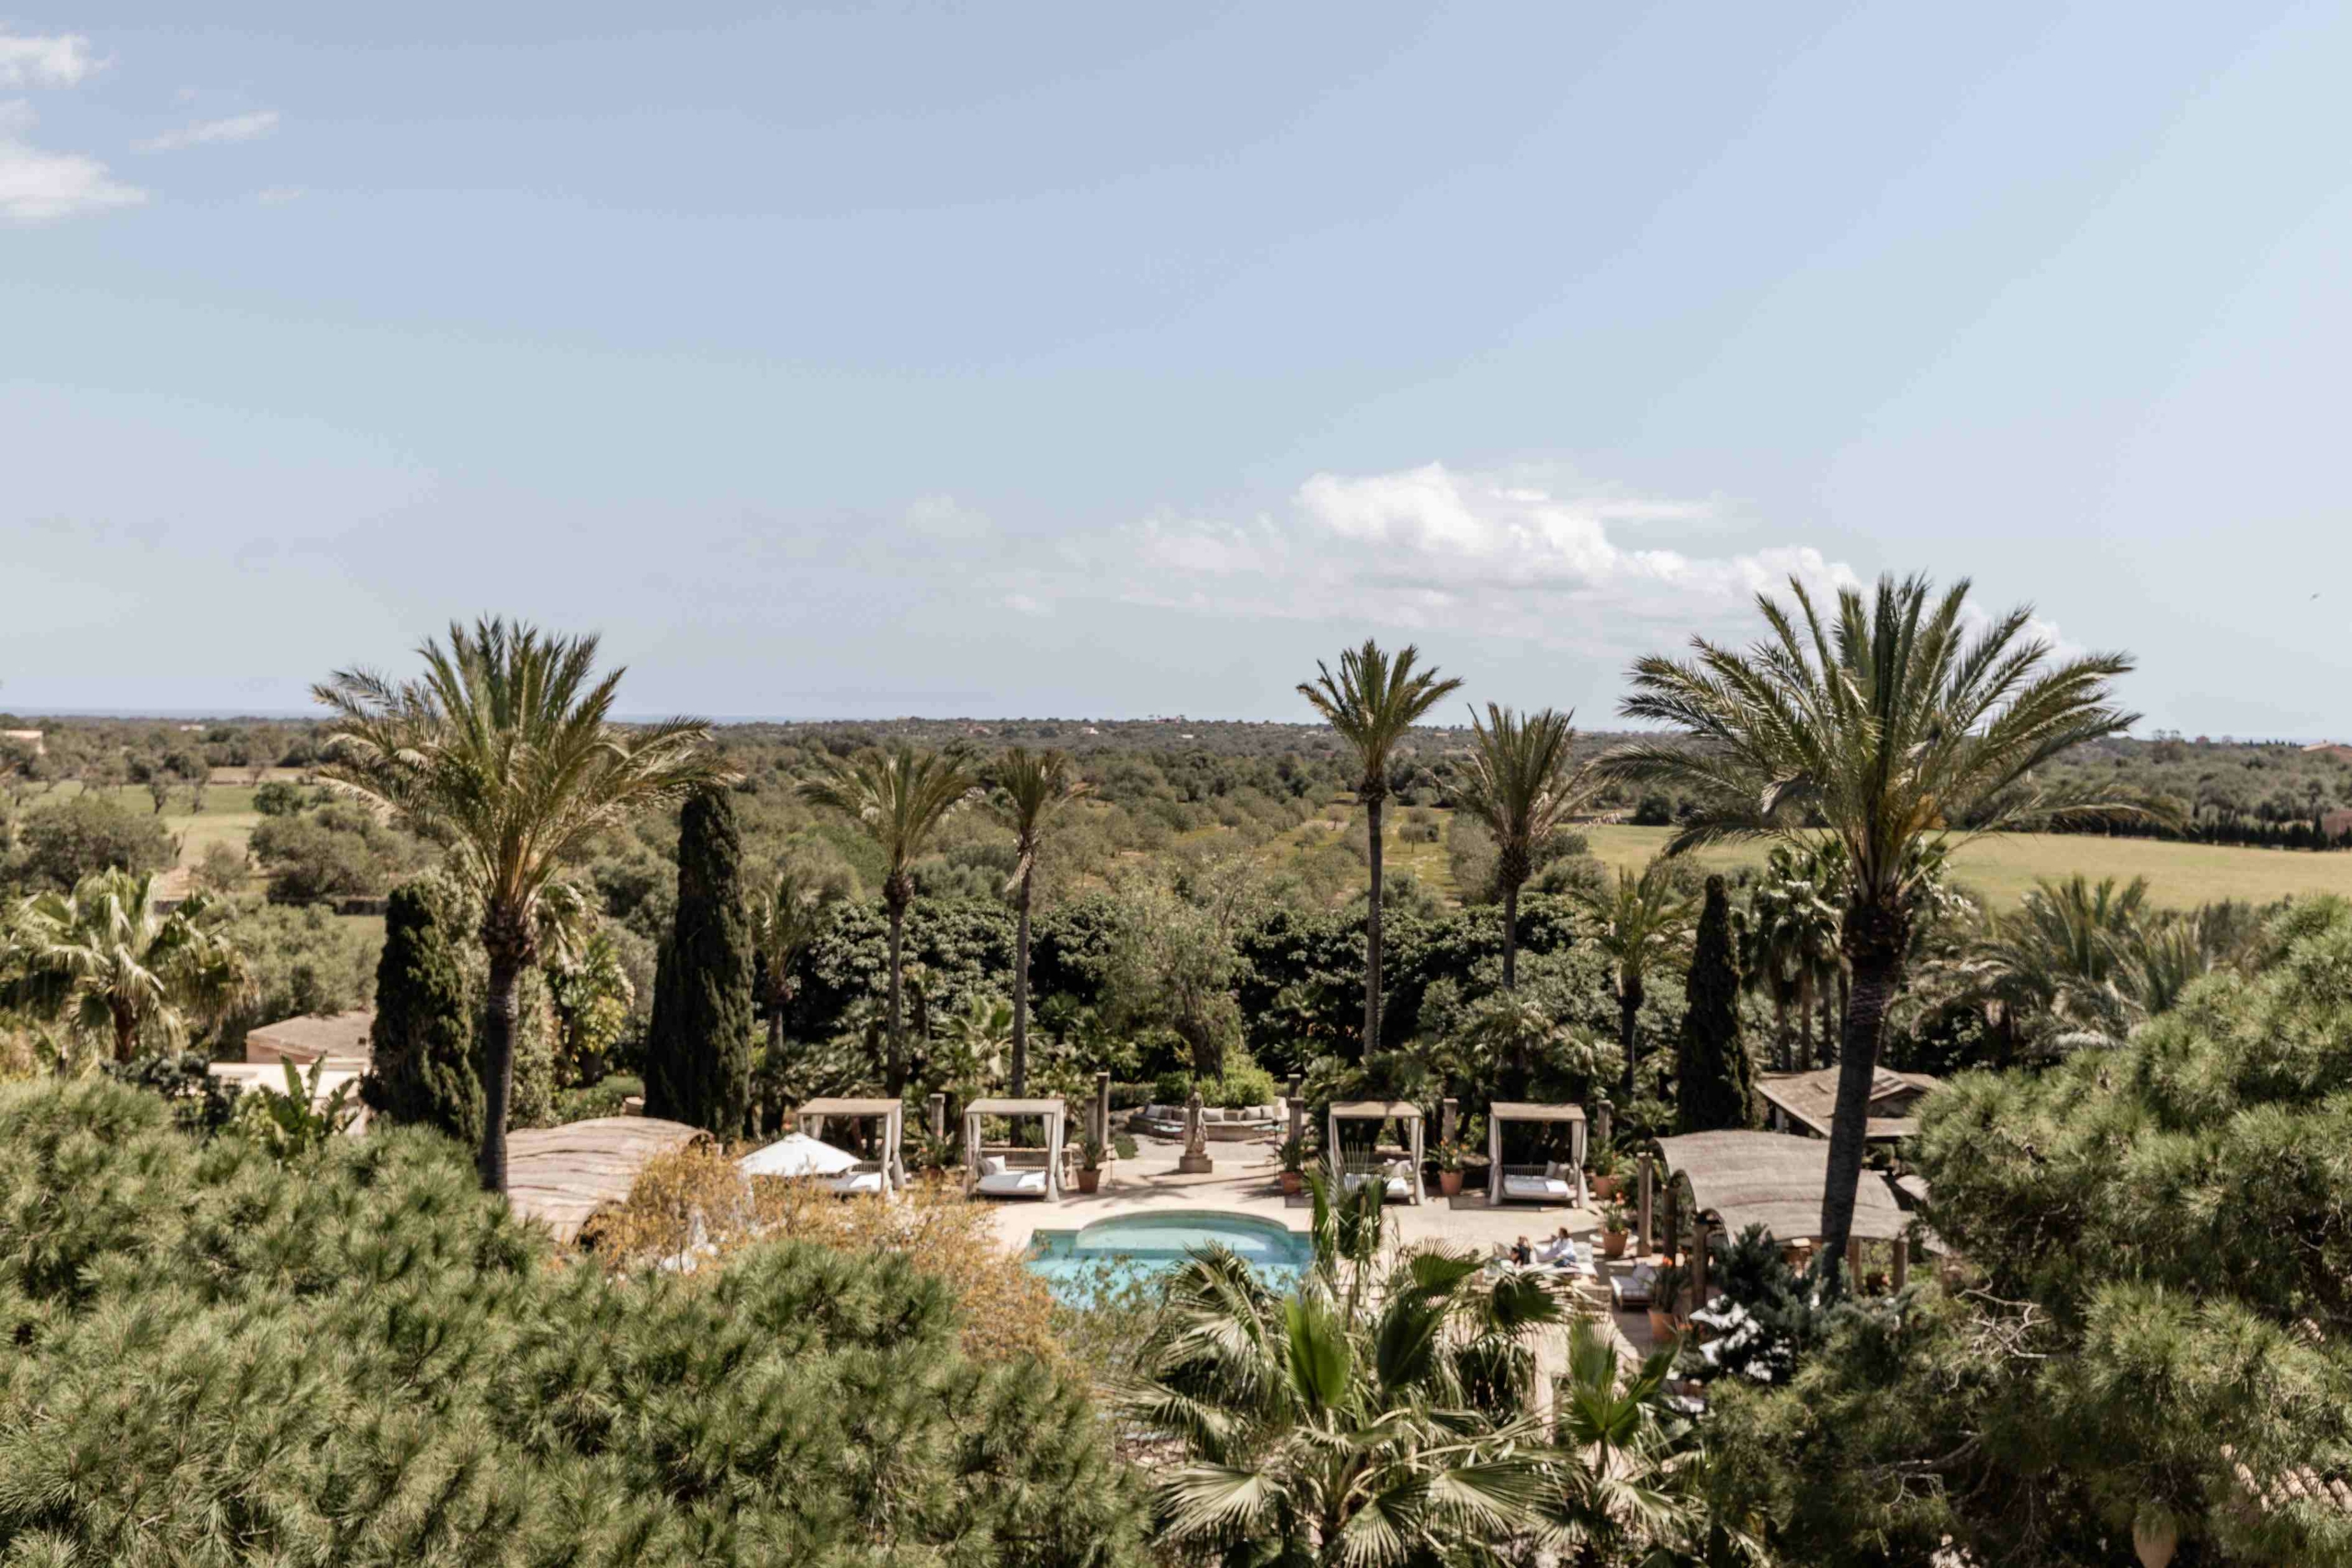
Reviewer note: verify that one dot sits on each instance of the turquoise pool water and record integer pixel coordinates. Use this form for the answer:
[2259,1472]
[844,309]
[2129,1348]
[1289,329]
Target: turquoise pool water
[1114,1253]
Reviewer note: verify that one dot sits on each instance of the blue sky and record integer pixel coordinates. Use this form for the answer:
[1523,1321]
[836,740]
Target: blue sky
[1114,360]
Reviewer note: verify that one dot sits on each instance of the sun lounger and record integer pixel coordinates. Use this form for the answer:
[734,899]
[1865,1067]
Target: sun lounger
[1539,1189]
[1012,1184]
[856,1183]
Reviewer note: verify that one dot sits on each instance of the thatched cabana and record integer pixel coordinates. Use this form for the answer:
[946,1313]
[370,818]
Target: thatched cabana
[1406,1184]
[882,1175]
[994,1173]
[564,1175]
[1534,1184]
[1807,1102]
[1773,1180]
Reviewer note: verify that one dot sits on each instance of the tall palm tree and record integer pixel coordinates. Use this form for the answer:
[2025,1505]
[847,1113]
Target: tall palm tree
[1383,1414]
[1640,924]
[898,797]
[1033,788]
[1792,946]
[103,957]
[504,750]
[1372,702]
[790,915]
[1889,729]
[1521,784]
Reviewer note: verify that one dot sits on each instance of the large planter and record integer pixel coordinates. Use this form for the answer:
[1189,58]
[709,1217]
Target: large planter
[1090,1180]
[1661,1327]
[1294,1183]
[1612,1244]
[1449,1183]
[1607,1187]
[2155,1536]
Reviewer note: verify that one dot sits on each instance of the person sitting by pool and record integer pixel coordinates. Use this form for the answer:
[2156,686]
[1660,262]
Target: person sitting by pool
[1560,1249]
[1522,1253]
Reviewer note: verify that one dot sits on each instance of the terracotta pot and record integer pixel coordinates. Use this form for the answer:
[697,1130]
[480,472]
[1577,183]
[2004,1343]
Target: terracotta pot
[1294,1183]
[1605,1186]
[1088,1181]
[1612,1244]
[2155,1536]
[1449,1183]
[1661,1327]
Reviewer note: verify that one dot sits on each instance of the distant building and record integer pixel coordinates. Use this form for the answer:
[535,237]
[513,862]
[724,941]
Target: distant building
[341,1039]
[27,737]
[1807,1102]
[2335,749]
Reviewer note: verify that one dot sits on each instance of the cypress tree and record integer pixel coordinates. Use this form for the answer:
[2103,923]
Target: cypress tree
[698,1049]
[425,1068]
[1712,1090]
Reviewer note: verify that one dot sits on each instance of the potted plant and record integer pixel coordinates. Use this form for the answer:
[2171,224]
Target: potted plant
[1449,1168]
[1665,1299]
[1089,1164]
[1616,1225]
[1294,1155]
[1606,1170]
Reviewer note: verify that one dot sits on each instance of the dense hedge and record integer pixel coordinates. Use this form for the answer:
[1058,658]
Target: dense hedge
[206,1358]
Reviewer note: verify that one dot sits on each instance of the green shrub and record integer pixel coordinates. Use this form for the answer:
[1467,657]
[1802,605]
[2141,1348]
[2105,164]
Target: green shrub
[605,1097]
[377,1364]
[1244,1083]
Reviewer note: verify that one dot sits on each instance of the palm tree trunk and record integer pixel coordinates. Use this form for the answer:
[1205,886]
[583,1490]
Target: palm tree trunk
[1510,936]
[1020,993]
[1372,810]
[1829,1013]
[126,1033]
[498,1060]
[1876,939]
[1780,1026]
[894,1069]
[1629,1007]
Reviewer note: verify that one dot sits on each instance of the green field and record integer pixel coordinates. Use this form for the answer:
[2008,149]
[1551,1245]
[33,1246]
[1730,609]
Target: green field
[1999,870]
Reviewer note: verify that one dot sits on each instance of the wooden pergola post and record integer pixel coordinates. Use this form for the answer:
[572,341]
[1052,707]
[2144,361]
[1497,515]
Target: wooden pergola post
[1902,1263]
[1646,1178]
[1698,1263]
[1101,1114]
[1854,1264]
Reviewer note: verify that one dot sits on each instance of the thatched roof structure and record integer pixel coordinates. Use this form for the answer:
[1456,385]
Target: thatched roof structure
[339,1037]
[564,1174]
[1775,1180]
[1810,1100]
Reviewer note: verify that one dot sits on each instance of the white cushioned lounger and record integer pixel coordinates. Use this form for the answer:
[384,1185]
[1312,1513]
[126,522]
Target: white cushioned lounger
[1538,1187]
[851,1183]
[1013,1184]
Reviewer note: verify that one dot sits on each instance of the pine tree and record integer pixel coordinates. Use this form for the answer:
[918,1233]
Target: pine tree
[426,1069]
[698,1051]
[1712,1090]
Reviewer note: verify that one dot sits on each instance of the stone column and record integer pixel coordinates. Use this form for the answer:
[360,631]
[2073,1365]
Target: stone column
[1101,1114]
[1296,1100]
[1448,1110]
[1698,1265]
[1603,1122]
[935,1113]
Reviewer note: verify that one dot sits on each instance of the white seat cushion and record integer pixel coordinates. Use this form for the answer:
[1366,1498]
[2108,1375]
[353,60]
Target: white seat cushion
[991,1165]
[851,1183]
[1014,1184]
[1538,1187]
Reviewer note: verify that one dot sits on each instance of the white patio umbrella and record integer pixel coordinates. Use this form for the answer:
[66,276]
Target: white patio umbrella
[797,1154]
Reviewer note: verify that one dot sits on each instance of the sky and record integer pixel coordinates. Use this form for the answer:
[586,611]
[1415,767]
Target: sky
[1094,360]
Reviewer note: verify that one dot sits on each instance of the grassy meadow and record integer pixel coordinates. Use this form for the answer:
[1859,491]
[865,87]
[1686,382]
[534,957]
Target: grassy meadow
[1998,869]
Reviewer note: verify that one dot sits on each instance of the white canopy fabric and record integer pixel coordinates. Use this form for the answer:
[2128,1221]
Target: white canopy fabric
[1499,1185]
[1054,1113]
[797,1154]
[1406,1115]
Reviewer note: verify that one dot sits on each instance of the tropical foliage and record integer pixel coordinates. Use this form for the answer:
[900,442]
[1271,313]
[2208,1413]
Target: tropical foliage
[107,959]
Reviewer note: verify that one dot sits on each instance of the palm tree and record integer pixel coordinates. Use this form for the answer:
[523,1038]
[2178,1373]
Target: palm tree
[1035,786]
[898,797]
[1639,924]
[104,957]
[1792,945]
[1372,702]
[1521,786]
[1634,1490]
[504,750]
[1889,729]
[788,916]
[1382,1414]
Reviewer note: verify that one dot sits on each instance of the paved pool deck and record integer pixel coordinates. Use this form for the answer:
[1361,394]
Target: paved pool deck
[1248,1181]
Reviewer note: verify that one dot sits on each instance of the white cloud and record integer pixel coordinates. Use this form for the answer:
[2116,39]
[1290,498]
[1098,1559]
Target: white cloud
[1431,549]
[37,185]
[62,61]
[236,128]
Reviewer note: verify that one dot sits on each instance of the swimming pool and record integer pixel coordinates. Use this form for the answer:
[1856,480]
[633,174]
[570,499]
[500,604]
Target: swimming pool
[1114,1253]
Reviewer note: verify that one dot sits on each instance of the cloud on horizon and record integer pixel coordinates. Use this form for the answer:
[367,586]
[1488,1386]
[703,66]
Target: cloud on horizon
[235,128]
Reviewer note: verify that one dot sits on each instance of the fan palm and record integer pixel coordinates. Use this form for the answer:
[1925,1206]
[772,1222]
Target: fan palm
[1520,783]
[897,797]
[1889,729]
[1639,924]
[1033,787]
[1632,1473]
[1384,1414]
[1372,701]
[790,915]
[504,751]
[102,957]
